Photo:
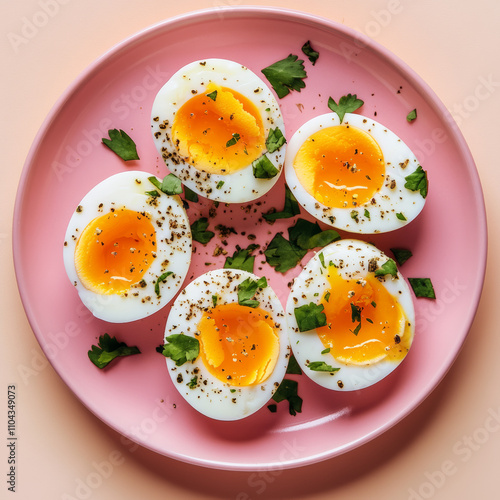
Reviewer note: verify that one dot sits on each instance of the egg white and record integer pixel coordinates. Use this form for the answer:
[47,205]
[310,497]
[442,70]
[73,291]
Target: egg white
[173,237]
[236,187]
[211,397]
[352,258]
[392,198]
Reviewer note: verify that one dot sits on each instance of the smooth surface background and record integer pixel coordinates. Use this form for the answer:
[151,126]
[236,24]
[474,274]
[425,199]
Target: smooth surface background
[447,449]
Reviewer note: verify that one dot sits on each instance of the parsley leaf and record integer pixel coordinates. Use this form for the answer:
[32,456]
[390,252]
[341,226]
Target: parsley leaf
[121,144]
[357,329]
[286,75]
[310,316]
[234,139]
[190,195]
[212,95]
[193,382]
[401,216]
[161,279]
[263,168]
[422,287]
[283,255]
[181,348]
[411,116]
[401,255]
[293,367]
[310,52]
[199,231]
[107,349]
[290,209]
[388,267]
[347,104]
[248,288]
[170,184]
[275,140]
[417,181]
[287,390]
[242,259]
[321,366]
[307,235]
[355,313]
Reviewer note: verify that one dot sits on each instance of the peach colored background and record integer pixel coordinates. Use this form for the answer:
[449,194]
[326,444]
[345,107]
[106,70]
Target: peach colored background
[448,448]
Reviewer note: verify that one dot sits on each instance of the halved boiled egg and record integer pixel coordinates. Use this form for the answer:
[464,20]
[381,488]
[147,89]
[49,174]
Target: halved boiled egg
[238,326]
[356,175]
[350,315]
[219,129]
[127,247]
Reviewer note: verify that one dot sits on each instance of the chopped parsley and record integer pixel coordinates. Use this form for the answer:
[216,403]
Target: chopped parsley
[401,216]
[286,75]
[293,367]
[248,288]
[290,209]
[190,195]
[234,139]
[213,95]
[367,214]
[417,181]
[355,215]
[310,316]
[193,382]
[121,144]
[388,267]
[308,235]
[282,254]
[199,231]
[275,140]
[107,349]
[411,116]
[219,184]
[321,366]
[347,104]
[422,287]
[311,54]
[242,258]
[263,168]
[170,184]
[161,279]
[355,313]
[357,329]
[181,348]
[288,390]
[401,255]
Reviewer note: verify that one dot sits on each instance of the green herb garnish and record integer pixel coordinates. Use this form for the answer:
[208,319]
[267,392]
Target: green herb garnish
[190,195]
[347,104]
[308,235]
[263,168]
[417,181]
[193,382]
[355,313]
[321,366]
[310,316]
[275,140]
[401,216]
[422,287]
[242,259]
[288,390]
[181,348]
[411,116]
[234,139]
[293,367]
[290,209]
[170,184]
[212,95]
[401,255]
[282,254]
[388,267]
[121,144]
[311,54]
[107,349]
[286,75]
[199,231]
[248,288]
[161,279]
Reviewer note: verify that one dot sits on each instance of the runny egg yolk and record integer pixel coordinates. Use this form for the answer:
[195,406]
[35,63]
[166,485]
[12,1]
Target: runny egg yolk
[340,166]
[365,323]
[239,345]
[219,131]
[114,251]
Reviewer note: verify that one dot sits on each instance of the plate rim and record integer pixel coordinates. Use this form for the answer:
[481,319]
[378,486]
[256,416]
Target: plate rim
[291,15]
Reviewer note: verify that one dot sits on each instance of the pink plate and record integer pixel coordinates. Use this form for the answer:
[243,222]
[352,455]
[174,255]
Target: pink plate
[136,396]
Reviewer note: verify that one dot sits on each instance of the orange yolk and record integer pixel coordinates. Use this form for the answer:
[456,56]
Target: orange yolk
[219,134]
[114,251]
[340,166]
[238,344]
[349,303]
